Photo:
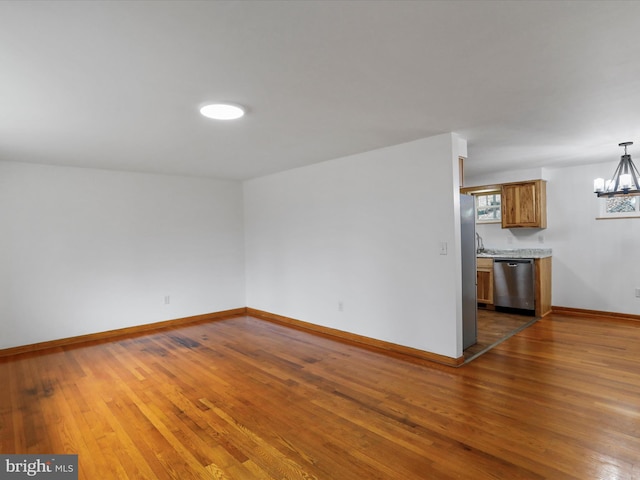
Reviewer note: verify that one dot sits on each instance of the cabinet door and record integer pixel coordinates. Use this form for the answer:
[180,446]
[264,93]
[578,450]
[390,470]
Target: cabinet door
[524,205]
[485,286]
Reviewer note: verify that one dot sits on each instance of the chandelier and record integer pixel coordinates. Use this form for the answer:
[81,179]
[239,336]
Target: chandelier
[624,180]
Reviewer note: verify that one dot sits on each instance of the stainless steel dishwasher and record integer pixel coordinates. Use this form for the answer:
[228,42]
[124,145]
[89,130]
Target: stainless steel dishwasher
[514,283]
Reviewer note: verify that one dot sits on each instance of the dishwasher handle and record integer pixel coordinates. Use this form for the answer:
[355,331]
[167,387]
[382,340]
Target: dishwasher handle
[512,262]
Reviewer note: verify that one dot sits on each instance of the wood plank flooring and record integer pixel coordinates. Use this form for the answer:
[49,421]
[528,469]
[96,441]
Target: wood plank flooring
[246,399]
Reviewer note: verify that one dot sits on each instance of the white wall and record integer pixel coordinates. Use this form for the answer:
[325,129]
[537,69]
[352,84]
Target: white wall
[595,262]
[362,233]
[84,251]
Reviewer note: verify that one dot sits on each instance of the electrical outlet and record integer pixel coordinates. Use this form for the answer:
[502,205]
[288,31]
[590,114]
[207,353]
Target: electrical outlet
[443,248]
[638,292]
[540,238]
[340,306]
[167,299]
[509,239]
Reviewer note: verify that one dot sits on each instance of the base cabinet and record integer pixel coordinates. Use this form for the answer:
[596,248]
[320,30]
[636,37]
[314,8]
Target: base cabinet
[542,284]
[485,280]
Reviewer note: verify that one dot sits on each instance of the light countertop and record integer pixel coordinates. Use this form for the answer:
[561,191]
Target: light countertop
[515,253]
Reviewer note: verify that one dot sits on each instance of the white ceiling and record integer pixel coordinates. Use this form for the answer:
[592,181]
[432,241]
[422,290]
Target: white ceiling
[118,84]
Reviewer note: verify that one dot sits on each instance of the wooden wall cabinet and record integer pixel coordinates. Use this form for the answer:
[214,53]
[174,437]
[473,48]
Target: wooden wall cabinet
[524,204]
[485,280]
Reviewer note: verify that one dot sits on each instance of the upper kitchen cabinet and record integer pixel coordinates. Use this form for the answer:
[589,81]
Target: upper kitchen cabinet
[524,204]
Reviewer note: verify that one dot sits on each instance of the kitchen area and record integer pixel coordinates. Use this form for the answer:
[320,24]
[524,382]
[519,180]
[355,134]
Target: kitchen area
[512,285]
[515,279]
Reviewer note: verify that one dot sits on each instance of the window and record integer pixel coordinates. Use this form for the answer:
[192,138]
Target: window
[488,200]
[488,207]
[619,207]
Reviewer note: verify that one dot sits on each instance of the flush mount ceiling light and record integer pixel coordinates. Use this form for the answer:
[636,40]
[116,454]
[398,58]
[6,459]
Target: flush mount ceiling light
[222,111]
[624,180]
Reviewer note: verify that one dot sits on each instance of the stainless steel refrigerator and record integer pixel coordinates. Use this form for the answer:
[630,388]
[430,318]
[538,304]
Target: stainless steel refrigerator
[468,255]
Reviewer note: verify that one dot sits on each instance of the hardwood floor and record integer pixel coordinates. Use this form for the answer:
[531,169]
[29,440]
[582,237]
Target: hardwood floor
[246,399]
